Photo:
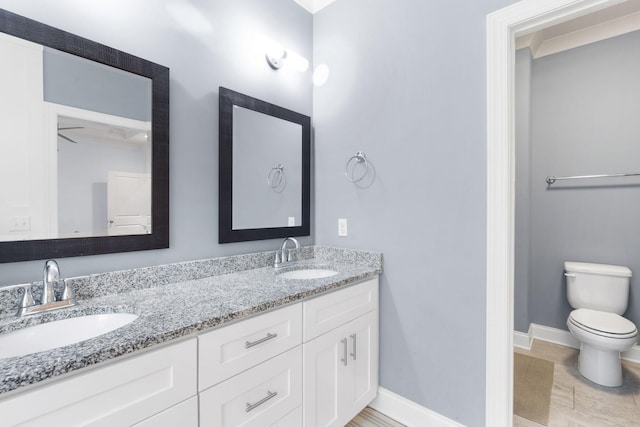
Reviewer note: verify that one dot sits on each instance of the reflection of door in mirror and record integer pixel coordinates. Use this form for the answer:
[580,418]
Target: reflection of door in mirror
[267,171]
[128,203]
[65,122]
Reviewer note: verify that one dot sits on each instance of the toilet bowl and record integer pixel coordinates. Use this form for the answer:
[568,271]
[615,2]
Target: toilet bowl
[602,336]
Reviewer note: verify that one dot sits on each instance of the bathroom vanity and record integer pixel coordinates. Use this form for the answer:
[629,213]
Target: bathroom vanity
[219,342]
[242,347]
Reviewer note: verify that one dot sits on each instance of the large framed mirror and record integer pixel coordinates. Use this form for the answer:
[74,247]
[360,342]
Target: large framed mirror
[84,146]
[265,170]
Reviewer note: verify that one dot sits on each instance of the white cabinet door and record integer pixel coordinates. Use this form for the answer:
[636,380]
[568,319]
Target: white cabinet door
[341,372]
[362,386]
[323,378]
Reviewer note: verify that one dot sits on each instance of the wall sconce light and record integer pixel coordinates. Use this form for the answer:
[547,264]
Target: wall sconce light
[276,62]
[277,56]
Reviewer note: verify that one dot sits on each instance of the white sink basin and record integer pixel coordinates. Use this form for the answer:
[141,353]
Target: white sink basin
[308,273]
[47,336]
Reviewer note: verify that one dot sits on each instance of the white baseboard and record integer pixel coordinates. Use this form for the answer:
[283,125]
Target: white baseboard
[562,337]
[522,340]
[554,335]
[408,412]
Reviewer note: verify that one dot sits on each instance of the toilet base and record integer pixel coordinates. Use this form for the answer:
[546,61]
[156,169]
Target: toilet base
[600,366]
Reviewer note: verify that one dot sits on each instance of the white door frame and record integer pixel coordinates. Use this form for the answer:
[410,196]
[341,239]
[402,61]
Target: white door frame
[503,27]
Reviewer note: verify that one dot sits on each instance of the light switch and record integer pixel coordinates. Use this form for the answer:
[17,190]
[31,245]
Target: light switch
[342,227]
[20,223]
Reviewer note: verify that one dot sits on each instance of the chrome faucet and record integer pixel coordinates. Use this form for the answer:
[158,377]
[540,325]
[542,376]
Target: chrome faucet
[284,255]
[51,276]
[48,302]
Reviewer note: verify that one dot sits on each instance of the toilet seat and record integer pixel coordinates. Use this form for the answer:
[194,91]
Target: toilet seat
[604,324]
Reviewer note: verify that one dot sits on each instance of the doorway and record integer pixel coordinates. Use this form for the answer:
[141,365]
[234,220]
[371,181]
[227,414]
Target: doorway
[503,27]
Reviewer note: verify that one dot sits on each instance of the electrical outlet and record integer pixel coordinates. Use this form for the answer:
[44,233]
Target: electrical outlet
[292,221]
[342,227]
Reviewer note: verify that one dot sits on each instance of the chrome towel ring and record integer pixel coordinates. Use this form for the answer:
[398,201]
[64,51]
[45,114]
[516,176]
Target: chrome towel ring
[276,175]
[355,160]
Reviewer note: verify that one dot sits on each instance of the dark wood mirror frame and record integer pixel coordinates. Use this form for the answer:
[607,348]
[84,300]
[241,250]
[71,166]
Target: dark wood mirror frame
[226,234]
[27,29]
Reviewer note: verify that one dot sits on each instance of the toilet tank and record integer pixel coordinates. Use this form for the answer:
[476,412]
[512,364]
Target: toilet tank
[598,286]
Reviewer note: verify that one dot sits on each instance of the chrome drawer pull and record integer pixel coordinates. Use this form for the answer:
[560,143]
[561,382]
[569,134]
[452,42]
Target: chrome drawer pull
[260,341]
[252,406]
[344,358]
[353,337]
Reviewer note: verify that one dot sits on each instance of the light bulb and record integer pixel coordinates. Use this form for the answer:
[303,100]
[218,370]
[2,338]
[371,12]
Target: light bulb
[266,46]
[298,62]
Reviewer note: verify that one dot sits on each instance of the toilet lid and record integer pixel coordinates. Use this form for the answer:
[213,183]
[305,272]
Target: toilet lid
[603,323]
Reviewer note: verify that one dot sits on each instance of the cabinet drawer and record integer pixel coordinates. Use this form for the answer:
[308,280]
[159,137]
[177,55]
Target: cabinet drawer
[258,397]
[292,419]
[118,394]
[329,311]
[232,349]
[184,414]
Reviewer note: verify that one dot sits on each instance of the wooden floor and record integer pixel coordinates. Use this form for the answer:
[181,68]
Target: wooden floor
[577,402]
[372,418]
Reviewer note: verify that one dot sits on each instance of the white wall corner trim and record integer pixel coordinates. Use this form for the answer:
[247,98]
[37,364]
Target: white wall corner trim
[532,41]
[408,412]
[503,26]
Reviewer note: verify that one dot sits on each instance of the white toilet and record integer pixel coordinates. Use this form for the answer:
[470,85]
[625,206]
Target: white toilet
[600,295]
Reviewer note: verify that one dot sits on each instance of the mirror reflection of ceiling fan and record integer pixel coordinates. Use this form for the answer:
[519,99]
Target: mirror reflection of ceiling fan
[68,128]
[80,131]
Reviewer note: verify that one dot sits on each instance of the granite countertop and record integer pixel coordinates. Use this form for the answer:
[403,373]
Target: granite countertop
[172,311]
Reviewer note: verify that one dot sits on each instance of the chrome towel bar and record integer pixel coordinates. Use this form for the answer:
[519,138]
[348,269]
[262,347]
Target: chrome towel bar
[551,179]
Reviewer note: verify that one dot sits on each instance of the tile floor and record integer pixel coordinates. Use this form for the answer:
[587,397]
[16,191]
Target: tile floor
[577,402]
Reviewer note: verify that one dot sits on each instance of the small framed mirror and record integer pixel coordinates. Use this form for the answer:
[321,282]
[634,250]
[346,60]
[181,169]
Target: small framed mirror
[265,170]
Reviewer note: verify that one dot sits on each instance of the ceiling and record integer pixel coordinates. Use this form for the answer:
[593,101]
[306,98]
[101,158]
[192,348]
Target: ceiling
[314,6]
[610,22]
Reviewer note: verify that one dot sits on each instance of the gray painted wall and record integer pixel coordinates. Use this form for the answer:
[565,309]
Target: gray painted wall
[521,298]
[407,86]
[206,46]
[78,82]
[585,109]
